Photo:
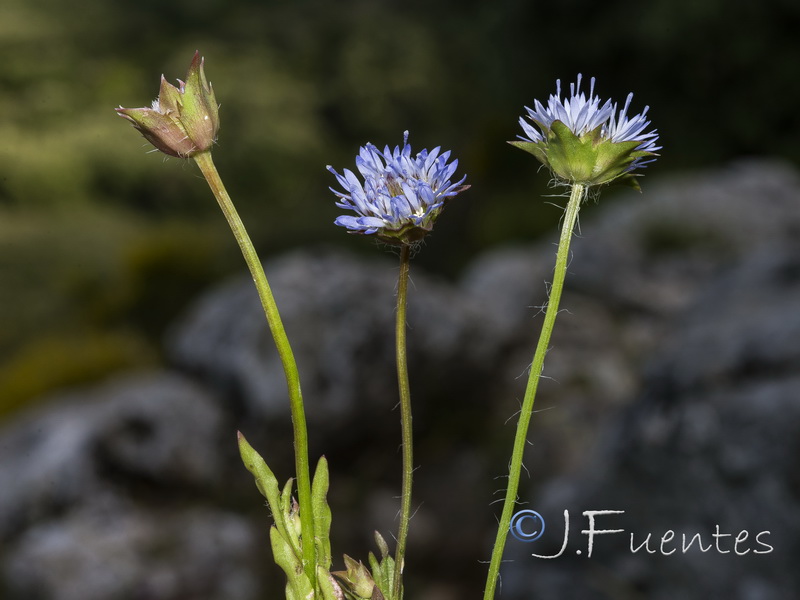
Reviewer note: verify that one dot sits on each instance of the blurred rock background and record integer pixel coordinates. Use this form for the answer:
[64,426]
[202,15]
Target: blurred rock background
[132,348]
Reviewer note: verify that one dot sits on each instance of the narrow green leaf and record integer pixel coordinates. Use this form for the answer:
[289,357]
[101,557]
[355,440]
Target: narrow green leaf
[322,514]
[327,587]
[286,497]
[383,573]
[266,481]
[382,545]
[375,567]
[297,582]
[289,509]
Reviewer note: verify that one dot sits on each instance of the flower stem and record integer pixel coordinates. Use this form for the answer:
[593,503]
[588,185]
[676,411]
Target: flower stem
[206,165]
[570,218]
[405,418]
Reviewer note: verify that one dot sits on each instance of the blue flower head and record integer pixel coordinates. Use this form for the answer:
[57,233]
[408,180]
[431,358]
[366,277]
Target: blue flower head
[585,140]
[400,196]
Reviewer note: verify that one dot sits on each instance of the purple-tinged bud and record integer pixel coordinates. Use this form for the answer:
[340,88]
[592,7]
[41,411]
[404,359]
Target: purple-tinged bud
[183,120]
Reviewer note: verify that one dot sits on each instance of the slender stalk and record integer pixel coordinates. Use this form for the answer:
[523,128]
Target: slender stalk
[405,418]
[570,218]
[206,165]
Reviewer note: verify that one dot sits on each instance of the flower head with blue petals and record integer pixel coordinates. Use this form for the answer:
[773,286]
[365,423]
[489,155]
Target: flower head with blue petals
[585,140]
[401,195]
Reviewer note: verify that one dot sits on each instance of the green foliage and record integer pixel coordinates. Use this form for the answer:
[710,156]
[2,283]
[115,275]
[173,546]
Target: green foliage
[356,582]
[587,159]
[301,85]
[322,514]
[383,569]
[285,534]
[376,583]
[303,82]
[56,362]
[90,293]
[158,273]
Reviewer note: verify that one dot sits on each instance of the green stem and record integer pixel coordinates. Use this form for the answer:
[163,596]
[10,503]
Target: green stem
[206,165]
[520,439]
[405,418]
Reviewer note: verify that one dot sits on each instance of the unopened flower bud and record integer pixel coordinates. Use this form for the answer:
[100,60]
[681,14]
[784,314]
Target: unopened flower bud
[356,579]
[183,120]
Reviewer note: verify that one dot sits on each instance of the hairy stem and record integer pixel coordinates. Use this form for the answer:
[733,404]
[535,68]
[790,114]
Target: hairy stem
[405,418]
[520,438]
[206,165]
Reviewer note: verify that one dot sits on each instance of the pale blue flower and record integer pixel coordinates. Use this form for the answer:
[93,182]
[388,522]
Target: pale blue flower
[400,196]
[632,129]
[579,113]
[586,140]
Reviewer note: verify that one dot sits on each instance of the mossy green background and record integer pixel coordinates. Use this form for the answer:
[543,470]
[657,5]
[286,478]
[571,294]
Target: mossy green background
[103,243]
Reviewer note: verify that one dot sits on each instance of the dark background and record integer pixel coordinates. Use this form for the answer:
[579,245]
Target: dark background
[103,243]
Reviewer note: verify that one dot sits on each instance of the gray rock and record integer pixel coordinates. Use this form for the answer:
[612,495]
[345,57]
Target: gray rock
[709,441]
[634,268]
[670,392]
[159,429]
[112,548]
[94,486]
[339,315]
[648,255]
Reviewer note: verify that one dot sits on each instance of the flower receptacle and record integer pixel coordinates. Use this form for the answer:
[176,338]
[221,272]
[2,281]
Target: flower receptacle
[590,159]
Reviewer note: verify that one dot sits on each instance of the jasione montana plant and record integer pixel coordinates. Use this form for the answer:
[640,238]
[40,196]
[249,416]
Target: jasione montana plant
[396,197]
[586,143]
